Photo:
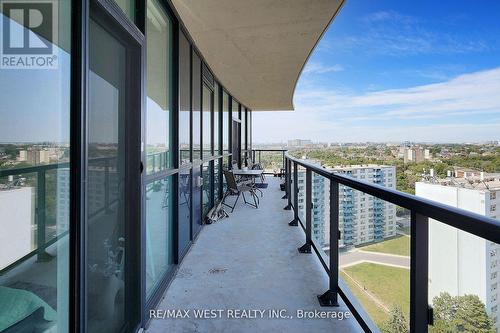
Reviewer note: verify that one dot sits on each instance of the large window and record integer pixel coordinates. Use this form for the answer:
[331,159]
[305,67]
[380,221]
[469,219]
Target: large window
[225,122]
[184,101]
[217,113]
[159,226]
[243,137]
[207,121]
[158,114]
[196,105]
[249,129]
[34,204]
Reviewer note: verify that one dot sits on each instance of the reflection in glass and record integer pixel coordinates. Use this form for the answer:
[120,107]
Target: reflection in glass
[217,178]
[159,235]
[207,175]
[207,122]
[159,41]
[128,7]
[184,99]
[236,109]
[184,206]
[34,206]
[106,225]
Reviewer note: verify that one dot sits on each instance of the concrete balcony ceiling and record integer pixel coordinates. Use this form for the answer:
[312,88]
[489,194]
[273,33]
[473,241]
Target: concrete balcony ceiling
[257,48]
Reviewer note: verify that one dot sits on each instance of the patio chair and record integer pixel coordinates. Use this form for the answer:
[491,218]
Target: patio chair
[258,166]
[233,188]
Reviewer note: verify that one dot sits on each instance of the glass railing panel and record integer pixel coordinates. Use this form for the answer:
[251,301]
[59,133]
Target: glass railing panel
[374,256]
[207,174]
[270,161]
[464,275]
[301,193]
[292,184]
[320,213]
[159,232]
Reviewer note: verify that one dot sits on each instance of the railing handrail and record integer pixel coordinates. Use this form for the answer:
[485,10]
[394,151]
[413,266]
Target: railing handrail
[479,225]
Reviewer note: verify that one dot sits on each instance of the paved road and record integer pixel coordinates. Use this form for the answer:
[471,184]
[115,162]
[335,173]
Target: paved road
[356,256]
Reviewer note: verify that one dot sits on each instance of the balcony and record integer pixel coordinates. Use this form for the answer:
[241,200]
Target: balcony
[250,261]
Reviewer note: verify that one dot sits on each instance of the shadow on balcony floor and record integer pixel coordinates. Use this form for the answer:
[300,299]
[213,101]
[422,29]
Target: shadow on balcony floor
[250,262]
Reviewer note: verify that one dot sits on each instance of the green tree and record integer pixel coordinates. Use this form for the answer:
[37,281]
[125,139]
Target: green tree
[460,314]
[397,322]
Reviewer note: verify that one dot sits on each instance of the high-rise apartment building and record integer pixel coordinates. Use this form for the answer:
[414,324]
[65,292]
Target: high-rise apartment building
[362,218]
[461,263]
[414,155]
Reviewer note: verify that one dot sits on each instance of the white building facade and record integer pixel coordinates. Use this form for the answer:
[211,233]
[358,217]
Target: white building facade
[461,263]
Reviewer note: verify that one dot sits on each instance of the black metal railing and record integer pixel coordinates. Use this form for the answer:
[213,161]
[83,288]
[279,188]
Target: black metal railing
[271,160]
[40,173]
[421,210]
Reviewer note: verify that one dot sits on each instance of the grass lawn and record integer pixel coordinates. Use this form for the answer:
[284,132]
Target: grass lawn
[399,245]
[390,285]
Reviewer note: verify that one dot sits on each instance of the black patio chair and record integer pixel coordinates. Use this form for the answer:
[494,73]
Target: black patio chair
[233,188]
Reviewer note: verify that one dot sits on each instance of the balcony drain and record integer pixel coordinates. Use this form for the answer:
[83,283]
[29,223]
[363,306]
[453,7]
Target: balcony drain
[217,270]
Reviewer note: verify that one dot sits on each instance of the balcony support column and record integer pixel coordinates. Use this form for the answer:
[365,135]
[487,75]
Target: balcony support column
[306,248]
[420,314]
[295,221]
[330,297]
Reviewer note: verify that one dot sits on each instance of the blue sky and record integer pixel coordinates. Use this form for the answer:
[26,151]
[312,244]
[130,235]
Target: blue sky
[399,70]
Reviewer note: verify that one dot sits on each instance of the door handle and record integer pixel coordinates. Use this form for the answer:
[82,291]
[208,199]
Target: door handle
[141,167]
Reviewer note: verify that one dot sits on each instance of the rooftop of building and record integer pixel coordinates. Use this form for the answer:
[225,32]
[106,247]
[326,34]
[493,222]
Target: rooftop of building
[361,166]
[489,182]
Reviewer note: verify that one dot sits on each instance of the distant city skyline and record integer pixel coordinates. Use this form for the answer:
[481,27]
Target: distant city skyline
[396,71]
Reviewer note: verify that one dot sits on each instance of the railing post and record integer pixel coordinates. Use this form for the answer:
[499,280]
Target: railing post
[40,217]
[330,297]
[283,168]
[282,160]
[419,273]
[306,248]
[287,185]
[295,221]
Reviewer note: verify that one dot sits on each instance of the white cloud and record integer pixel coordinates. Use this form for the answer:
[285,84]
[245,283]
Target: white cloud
[318,68]
[465,108]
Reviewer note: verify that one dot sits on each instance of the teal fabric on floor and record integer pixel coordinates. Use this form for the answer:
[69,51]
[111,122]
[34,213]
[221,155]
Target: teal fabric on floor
[17,304]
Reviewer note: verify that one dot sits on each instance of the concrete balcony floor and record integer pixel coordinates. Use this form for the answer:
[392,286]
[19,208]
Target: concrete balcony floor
[250,261]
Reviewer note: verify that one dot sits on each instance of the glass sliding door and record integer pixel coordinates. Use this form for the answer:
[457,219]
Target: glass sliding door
[34,172]
[158,191]
[184,132]
[225,122]
[236,133]
[243,147]
[207,121]
[184,100]
[197,180]
[113,177]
